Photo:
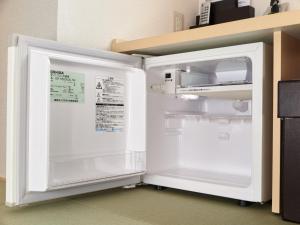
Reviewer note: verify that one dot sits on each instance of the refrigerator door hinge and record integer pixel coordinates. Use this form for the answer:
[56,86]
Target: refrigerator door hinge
[143,63]
[132,186]
[141,184]
[143,57]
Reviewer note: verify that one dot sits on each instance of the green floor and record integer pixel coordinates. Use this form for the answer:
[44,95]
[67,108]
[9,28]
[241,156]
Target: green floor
[142,206]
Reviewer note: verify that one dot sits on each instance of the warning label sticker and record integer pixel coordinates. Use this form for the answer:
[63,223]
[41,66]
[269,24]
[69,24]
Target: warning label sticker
[66,86]
[110,109]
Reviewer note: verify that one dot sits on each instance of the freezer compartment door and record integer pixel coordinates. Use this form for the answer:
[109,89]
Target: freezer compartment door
[76,121]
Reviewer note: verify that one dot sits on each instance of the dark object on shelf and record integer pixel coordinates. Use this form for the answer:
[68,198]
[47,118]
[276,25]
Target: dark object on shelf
[234,14]
[289,99]
[224,5]
[221,7]
[289,112]
[274,6]
[197,20]
[215,8]
[197,23]
[226,11]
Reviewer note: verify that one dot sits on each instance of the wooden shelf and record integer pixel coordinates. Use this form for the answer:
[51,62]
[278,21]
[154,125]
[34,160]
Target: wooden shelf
[231,33]
[241,92]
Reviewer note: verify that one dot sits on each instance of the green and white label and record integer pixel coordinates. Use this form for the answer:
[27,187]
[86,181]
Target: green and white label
[66,86]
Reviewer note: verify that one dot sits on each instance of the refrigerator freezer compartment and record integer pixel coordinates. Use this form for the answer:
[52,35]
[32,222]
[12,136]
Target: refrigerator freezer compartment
[233,70]
[70,170]
[203,75]
[214,177]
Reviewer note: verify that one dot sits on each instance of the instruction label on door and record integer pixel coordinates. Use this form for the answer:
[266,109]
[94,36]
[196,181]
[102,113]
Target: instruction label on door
[66,86]
[110,109]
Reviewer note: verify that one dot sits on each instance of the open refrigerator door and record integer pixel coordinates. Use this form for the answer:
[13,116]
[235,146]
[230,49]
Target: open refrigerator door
[76,121]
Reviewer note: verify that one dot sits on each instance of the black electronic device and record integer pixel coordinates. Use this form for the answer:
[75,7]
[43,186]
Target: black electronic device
[215,12]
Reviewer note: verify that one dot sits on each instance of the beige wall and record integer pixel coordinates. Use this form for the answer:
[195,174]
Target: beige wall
[30,17]
[94,23]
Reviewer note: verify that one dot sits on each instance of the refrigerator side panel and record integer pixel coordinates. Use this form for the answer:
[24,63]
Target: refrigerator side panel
[38,123]
[16,144]
[257,101]
[262,123]
[267,124]
[11,163]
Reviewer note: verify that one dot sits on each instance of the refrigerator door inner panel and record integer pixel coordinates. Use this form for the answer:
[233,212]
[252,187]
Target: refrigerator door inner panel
[86,120]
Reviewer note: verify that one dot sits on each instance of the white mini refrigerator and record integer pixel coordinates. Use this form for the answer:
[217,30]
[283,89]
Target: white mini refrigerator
[84,120]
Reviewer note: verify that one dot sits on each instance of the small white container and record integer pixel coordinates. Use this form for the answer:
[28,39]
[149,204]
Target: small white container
[194,79]
[232,71]
[242,3]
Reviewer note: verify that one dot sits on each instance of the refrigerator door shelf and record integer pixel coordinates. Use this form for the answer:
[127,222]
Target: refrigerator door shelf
[67,171]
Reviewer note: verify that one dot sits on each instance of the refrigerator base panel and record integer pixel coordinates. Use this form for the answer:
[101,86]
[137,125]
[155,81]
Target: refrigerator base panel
[212,183]
[214,177]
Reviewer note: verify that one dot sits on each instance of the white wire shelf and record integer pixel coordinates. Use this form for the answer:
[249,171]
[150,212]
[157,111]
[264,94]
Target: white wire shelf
[241,92]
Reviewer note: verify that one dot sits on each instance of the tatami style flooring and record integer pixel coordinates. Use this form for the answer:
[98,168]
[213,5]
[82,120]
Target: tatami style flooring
[140,206]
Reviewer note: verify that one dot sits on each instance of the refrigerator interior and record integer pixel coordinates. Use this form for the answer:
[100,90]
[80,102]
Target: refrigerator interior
[198,134]
[90,141]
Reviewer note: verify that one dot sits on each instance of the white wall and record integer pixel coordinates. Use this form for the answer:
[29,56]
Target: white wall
[29,17]
[94,23]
